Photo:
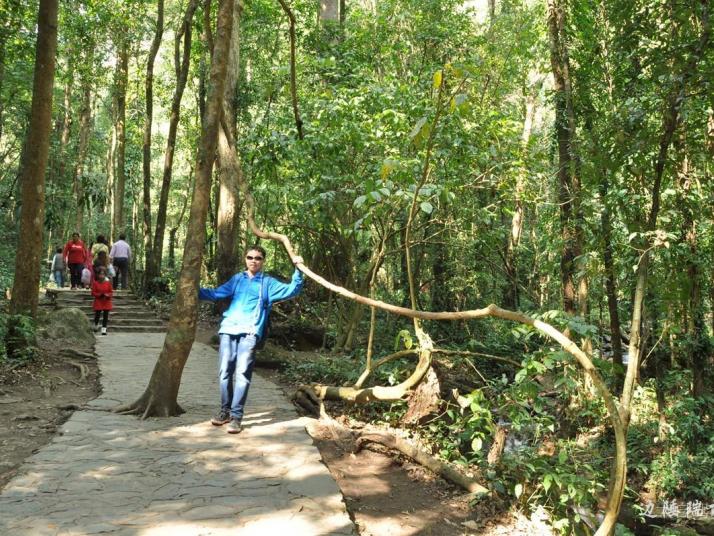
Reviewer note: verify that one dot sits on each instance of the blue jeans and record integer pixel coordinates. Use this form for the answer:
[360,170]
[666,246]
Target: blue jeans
[59,278]
[236,357]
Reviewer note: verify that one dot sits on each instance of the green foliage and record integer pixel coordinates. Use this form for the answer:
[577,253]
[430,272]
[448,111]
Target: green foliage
[676,457]
[17,334]
[326,369]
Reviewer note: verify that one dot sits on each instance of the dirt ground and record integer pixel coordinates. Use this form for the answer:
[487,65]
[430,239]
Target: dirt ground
[35,400]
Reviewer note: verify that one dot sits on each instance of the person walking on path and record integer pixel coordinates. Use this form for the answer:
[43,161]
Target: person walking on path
[100,245]
[58,267]
[252,294]
[75,256]
[102,292]
[120,257]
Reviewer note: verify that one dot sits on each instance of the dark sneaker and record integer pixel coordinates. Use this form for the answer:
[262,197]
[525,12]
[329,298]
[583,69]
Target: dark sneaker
[222,418]
[234,427]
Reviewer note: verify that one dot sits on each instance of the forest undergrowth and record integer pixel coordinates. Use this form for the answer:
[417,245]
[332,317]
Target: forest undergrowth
[554,452]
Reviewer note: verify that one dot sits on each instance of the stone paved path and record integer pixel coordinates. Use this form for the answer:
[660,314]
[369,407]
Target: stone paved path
[110,474]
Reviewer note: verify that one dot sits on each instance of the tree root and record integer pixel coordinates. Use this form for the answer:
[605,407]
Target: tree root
[305,397]
[148,408]
[78,353]
[342,436]
[83,369]
[440,468]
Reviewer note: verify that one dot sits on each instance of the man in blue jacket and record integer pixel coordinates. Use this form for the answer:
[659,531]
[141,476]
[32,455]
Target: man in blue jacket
[252,295]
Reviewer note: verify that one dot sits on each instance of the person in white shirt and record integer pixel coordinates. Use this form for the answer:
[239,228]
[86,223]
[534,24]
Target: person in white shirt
[120,257]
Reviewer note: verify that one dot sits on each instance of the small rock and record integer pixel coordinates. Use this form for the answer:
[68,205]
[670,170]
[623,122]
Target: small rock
[26,418]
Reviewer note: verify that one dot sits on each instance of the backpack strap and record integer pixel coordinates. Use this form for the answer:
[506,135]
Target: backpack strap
[265,303]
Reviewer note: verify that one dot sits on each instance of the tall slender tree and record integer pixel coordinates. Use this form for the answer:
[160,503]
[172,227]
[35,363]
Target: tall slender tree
[120,83]
[160,396]
[85,125]
[148,121]
[182,62]
[34,164]
[568,182]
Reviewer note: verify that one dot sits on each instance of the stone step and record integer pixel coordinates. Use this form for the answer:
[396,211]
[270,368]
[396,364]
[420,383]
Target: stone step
[119,313]
[146,322]
[135,329]
[127,310]
[89,297]
[88,303]
[129,314]
[66,293]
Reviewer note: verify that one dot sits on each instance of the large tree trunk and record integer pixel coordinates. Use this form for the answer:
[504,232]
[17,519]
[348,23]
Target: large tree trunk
[121,79]
[34,165]
[569,187]
[153,267]
[85,124]
[148,119]
[227,262]
[160,396]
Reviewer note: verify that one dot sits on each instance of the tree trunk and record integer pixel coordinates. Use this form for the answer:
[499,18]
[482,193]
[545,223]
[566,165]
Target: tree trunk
[329,10]
[110,165]
[85,124]
[699,347]
[153,266]
[34,165]
[568,191]
[121,79]
[175,228]
[709,175]
[611,281]
[227,262]
[160,396]
[2,78]
[511,297]
[149,92]
[66,127]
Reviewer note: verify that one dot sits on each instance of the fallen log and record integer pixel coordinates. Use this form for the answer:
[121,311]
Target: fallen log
[427,460]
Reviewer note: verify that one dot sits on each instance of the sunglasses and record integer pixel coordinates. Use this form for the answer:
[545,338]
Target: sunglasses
[253,258]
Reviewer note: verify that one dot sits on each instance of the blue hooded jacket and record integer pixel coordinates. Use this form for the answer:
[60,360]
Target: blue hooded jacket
[247,314]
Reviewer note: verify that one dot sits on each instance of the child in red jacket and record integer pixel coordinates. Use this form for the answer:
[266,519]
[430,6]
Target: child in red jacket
[102,292]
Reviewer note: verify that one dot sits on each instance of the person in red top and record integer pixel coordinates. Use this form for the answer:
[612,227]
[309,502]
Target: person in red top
[75,256]
[102,292]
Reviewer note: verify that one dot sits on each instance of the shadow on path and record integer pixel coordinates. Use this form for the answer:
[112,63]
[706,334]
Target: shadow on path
[115,474]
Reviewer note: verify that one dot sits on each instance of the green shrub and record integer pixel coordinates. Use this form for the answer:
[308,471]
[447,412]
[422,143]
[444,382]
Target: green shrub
[18,338]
